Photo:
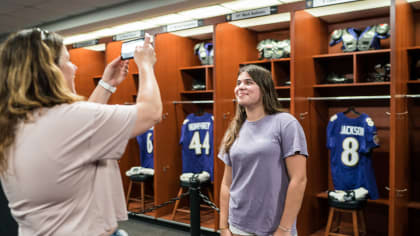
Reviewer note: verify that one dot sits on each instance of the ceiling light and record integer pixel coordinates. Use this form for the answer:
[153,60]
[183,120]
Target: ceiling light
[138,25]
[289,1]
[77,38]
[243,5]
[348,7]
[167,19]
[88,36]
[206,12]
[97,47]
[195,31]
[264,20]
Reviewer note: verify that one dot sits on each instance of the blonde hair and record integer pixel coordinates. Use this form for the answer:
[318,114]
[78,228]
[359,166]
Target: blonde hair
[262,78]
[30,78]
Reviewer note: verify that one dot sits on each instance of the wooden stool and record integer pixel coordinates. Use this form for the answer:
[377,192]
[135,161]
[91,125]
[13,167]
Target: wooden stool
[137,179]
[356,212]
[181,188]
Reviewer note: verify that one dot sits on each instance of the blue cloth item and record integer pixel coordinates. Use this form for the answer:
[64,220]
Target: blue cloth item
[145,142]
[351,141]
[197,144]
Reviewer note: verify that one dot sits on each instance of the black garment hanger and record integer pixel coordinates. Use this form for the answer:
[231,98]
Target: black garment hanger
[200,111]
[351,109]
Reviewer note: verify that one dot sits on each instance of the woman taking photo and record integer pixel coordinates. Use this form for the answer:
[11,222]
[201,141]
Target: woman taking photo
[58,153]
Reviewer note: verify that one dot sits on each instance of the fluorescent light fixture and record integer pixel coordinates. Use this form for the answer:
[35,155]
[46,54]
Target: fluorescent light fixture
[167,19]
[101,33]
[77,38]
[133,26]
[409,1]
[194,14]
[206,12]
[243,5]
[88,36]
[264,20]
[98,47]
[348,7]
[195,31]
[289,1]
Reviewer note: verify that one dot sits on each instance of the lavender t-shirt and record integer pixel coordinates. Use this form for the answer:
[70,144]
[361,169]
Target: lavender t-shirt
[259,175]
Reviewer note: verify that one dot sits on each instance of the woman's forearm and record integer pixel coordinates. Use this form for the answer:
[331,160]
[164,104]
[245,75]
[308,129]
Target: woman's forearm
[224,207]
[100,95]
[293,202]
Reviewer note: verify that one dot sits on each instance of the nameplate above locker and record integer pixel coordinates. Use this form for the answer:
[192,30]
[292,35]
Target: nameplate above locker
[183,25]
[85,43]
[128,35]
[265,11]
[322,3]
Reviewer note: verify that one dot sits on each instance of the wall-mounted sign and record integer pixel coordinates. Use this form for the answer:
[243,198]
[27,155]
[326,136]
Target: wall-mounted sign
[85,43]
[265,11]
[183,25]
[128,35]
[322,3]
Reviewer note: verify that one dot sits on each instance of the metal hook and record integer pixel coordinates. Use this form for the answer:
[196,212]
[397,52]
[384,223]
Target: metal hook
[398,114]
[165,115]
[399,192]
[225,115]
[303,115]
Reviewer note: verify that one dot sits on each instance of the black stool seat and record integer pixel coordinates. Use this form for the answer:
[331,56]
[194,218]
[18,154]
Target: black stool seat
[189,184]
[350,204]
[140,177]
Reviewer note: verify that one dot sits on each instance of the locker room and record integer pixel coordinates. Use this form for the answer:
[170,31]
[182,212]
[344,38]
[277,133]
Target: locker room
[270,117]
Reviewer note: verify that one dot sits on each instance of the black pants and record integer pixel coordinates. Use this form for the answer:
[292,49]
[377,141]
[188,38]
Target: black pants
[8,225]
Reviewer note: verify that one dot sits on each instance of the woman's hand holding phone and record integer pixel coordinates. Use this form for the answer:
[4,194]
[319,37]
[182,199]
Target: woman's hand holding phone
[145,55]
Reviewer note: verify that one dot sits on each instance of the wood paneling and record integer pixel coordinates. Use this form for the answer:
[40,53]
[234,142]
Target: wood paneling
[127,88]
[168,159]
[402,27]
[85,74]
[306,28]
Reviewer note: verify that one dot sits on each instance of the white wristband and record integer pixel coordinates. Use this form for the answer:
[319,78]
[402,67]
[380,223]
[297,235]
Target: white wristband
[107,86]
[284,229]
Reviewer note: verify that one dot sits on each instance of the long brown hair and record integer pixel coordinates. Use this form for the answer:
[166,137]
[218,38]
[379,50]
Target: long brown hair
[30,78]
[262,78]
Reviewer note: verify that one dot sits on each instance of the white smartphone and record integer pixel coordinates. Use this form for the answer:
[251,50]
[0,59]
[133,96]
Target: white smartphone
[128,47]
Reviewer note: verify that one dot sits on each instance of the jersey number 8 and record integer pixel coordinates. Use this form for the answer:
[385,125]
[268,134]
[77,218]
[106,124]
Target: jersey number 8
[350,155]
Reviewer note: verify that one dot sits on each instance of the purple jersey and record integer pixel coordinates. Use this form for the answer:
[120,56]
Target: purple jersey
[259,176]
[145,142]
[197,144]
[351,141]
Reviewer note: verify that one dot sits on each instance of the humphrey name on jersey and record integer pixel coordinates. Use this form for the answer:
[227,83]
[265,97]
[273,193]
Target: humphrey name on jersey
[199,126]
[352,130]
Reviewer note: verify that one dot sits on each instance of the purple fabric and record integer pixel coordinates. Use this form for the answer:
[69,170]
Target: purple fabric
[259,176]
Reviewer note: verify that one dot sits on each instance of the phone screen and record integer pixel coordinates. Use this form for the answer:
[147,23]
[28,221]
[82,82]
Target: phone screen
[128,47]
